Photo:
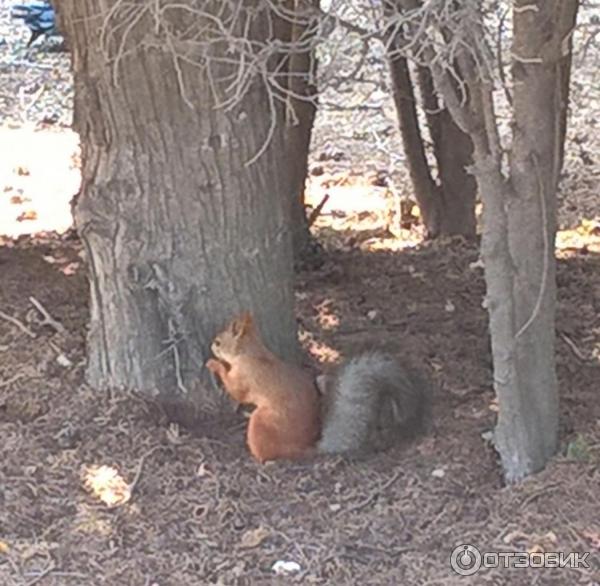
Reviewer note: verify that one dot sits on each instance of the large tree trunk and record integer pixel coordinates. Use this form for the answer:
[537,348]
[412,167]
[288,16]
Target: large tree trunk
[180,231]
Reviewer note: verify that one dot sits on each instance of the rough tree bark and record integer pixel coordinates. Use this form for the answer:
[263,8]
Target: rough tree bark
[179,229]
[520,226]
[563,98]
[527,430]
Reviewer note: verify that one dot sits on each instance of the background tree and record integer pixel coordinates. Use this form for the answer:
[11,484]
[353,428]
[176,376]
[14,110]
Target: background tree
[519,195]
[184,211]
[300,18]
[448,204]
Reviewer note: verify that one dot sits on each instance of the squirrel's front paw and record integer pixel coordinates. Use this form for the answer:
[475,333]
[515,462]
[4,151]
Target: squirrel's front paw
[213,365]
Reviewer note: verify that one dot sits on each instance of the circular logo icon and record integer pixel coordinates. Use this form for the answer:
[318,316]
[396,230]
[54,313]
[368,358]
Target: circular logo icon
[465,559]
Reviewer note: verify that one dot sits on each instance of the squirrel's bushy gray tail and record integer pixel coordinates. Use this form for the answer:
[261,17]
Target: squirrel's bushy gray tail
[373,401]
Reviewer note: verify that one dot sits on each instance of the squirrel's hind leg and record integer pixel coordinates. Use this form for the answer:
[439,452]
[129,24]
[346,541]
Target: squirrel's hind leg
[266,442]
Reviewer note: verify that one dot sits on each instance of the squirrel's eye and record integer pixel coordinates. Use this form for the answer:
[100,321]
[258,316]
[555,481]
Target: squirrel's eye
[217,342]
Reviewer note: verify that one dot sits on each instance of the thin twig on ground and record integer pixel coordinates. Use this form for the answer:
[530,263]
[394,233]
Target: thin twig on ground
[375,493]
[19,324]
[317,211]
[140,468]
[12,379]
[47,570]
[48,319]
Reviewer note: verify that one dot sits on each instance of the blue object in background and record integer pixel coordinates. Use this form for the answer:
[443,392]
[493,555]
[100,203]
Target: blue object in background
[38,16]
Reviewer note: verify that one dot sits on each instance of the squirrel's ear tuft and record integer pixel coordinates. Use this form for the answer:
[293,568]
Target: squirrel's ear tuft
[242,324]
[247,322]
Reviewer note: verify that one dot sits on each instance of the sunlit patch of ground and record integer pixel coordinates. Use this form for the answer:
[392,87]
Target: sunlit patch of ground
[584,237]
[39,175]
[357,211]
[107,485]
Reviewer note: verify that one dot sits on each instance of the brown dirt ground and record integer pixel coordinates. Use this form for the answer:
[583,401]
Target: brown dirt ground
[202,512]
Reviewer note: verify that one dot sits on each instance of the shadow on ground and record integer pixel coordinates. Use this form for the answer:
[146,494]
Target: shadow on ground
[202,512]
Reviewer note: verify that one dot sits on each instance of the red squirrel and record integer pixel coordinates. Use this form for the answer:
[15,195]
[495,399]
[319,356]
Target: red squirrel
[365,406]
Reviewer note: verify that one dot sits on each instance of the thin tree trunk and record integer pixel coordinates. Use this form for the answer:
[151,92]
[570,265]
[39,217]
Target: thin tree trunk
[519,228]
[448,206]
[453,151]
[180,231]
[300,120]
[426,192]
[527,430]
